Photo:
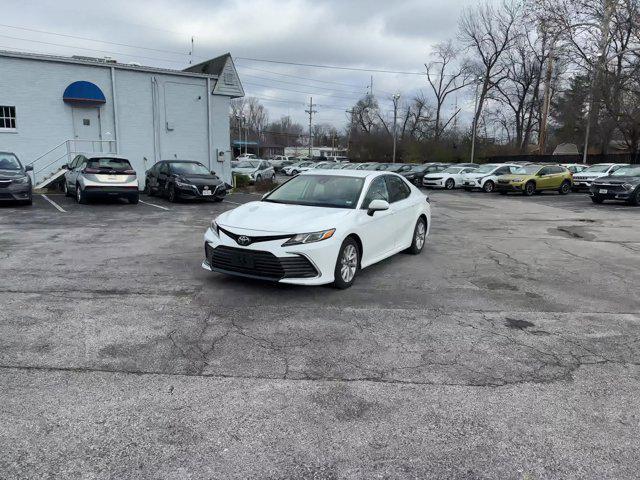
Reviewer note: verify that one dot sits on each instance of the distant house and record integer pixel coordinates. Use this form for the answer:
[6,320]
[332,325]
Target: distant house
[53,107]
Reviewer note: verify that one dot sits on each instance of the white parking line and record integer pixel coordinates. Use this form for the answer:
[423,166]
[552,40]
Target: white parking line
[53,203]
[154,205]
[229,201]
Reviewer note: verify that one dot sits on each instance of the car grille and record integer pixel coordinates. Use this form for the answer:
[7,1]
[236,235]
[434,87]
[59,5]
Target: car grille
[5,183]
[504,182]
[6,196]
[258,263]
[432,179]
[616,187]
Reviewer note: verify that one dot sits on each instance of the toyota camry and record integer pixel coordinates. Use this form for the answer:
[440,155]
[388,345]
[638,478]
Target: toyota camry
[320,228]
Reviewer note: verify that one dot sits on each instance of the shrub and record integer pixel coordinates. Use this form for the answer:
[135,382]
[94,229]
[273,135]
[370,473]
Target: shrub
[241,180]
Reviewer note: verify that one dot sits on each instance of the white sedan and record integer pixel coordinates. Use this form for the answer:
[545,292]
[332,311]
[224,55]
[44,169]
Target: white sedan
[449,178]
[320,227]
[296,168]
[486,176]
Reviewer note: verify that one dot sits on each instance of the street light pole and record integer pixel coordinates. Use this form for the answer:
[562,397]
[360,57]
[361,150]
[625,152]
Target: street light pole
[396,97]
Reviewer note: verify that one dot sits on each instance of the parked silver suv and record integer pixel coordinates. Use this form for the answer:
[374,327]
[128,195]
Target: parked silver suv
[101,176]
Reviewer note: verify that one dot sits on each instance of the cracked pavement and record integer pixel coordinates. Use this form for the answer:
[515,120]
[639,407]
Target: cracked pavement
[509,349]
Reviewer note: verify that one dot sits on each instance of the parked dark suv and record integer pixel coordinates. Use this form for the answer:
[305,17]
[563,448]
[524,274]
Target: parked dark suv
[15,183]
[184,179]
[622,185]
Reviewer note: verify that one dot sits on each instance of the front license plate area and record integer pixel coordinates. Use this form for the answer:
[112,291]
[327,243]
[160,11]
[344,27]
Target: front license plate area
[603,191]
[207,192]
[242,260]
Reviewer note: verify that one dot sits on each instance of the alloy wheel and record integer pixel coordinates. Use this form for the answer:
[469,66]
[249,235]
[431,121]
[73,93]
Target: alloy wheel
[449,184]
[420,235]
[349,263]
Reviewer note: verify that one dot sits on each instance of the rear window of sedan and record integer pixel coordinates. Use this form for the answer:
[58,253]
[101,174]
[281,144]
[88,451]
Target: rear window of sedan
[109,163]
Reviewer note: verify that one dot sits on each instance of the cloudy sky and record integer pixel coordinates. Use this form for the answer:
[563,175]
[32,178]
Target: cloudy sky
[367,34]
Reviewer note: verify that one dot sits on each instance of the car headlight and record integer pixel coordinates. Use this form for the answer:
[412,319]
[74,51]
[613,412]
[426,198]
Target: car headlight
[21,180]
[303,238]
[517,180]
[411,176]
[183,184]
[627,186]
[215,229]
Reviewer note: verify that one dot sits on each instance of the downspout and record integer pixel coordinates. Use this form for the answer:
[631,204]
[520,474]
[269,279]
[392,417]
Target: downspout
[209,121]
[115,110]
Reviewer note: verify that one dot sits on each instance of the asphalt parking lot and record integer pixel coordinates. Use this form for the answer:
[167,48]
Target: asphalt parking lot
[509,349]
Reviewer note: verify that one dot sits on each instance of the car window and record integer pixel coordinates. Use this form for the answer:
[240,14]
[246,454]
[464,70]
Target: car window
[398,190]
[377,191]
[164,168]
[544,171]
[109,163]
[557,170]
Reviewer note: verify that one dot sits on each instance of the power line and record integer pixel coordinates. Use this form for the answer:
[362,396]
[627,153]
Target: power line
[93,50]
[297,76]
[296,91]
[303,84]
[173,52]
[333,67]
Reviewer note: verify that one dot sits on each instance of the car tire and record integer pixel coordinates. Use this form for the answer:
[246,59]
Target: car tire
[81,197]
[450,184]
[565,188]
[489,186]
[134,199]
[65,188]
[258,178]
[635,200]
[294,173]
[145,190]
[171,194]
[419,237]
[347,264]
[529,189]
[597,199]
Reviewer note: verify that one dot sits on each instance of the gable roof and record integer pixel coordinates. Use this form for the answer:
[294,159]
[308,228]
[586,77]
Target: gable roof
[228,81]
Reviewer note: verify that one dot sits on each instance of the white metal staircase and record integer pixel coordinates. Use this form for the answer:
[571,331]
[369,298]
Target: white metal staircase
[50,166]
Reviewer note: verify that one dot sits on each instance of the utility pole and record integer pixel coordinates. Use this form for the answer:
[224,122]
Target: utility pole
[371,86]
[599,69]
[350,112]
[542,138]
[475,126]
[396,97]
[311,111]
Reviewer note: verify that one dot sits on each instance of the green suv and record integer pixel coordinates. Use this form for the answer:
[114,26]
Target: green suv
[530,179]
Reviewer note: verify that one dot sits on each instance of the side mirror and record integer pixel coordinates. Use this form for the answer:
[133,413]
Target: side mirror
[212,172]
[28,168]
[377,205]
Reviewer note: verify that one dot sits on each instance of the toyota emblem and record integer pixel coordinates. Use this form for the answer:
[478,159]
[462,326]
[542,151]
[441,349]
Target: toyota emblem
[243,240]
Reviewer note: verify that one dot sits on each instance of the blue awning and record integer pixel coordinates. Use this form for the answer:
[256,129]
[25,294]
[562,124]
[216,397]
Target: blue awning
[83,93]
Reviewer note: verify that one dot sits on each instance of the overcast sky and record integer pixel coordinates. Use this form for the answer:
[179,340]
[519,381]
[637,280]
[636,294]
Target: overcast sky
[372,34]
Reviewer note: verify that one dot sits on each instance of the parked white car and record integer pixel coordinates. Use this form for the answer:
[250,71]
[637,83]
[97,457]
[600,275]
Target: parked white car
[485,176]
[584,179]
[337,159]
[297,168]
[320,227]
[449,178]
[247,156]
[575,167]
[257,170]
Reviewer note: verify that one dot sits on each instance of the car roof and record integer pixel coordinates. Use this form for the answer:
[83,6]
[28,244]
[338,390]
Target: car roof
[350,173]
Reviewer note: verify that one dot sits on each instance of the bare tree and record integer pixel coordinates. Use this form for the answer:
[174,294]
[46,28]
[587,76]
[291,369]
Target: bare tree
[488,31]
[445,80]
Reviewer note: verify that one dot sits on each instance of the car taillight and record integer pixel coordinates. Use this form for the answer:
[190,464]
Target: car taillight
[91,170]
[130,172]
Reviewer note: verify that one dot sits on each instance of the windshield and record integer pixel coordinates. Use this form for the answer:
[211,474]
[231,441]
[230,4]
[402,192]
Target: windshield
[184,168]
[452,170]
[597,169]
[627,172]
[485,168]
[109,163]
[319,191]
[419,168]
[248,164]
[395,168]
[8,161]
[527,170]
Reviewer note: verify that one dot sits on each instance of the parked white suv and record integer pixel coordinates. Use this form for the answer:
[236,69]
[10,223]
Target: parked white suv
[257,170]
[584,179]
[485,176]
[100,176]
[297,168]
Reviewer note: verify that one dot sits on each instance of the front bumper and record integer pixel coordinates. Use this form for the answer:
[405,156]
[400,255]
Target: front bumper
[611,194]
[431,182]
[581,184]
[193,191]
[509,187]
[310,264]
[17,192]
[471,184]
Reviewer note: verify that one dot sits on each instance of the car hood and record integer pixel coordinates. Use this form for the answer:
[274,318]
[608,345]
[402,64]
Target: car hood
[200,179]
[8,174]
[244,170]
[583,175]
[477,175]
[435,175]
[281,218]
[619,180]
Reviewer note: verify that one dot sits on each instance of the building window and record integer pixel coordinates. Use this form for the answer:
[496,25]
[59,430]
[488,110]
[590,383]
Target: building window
[7,118]
[229,79]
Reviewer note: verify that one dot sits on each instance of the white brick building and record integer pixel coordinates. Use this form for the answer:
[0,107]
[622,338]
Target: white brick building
[142,113]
